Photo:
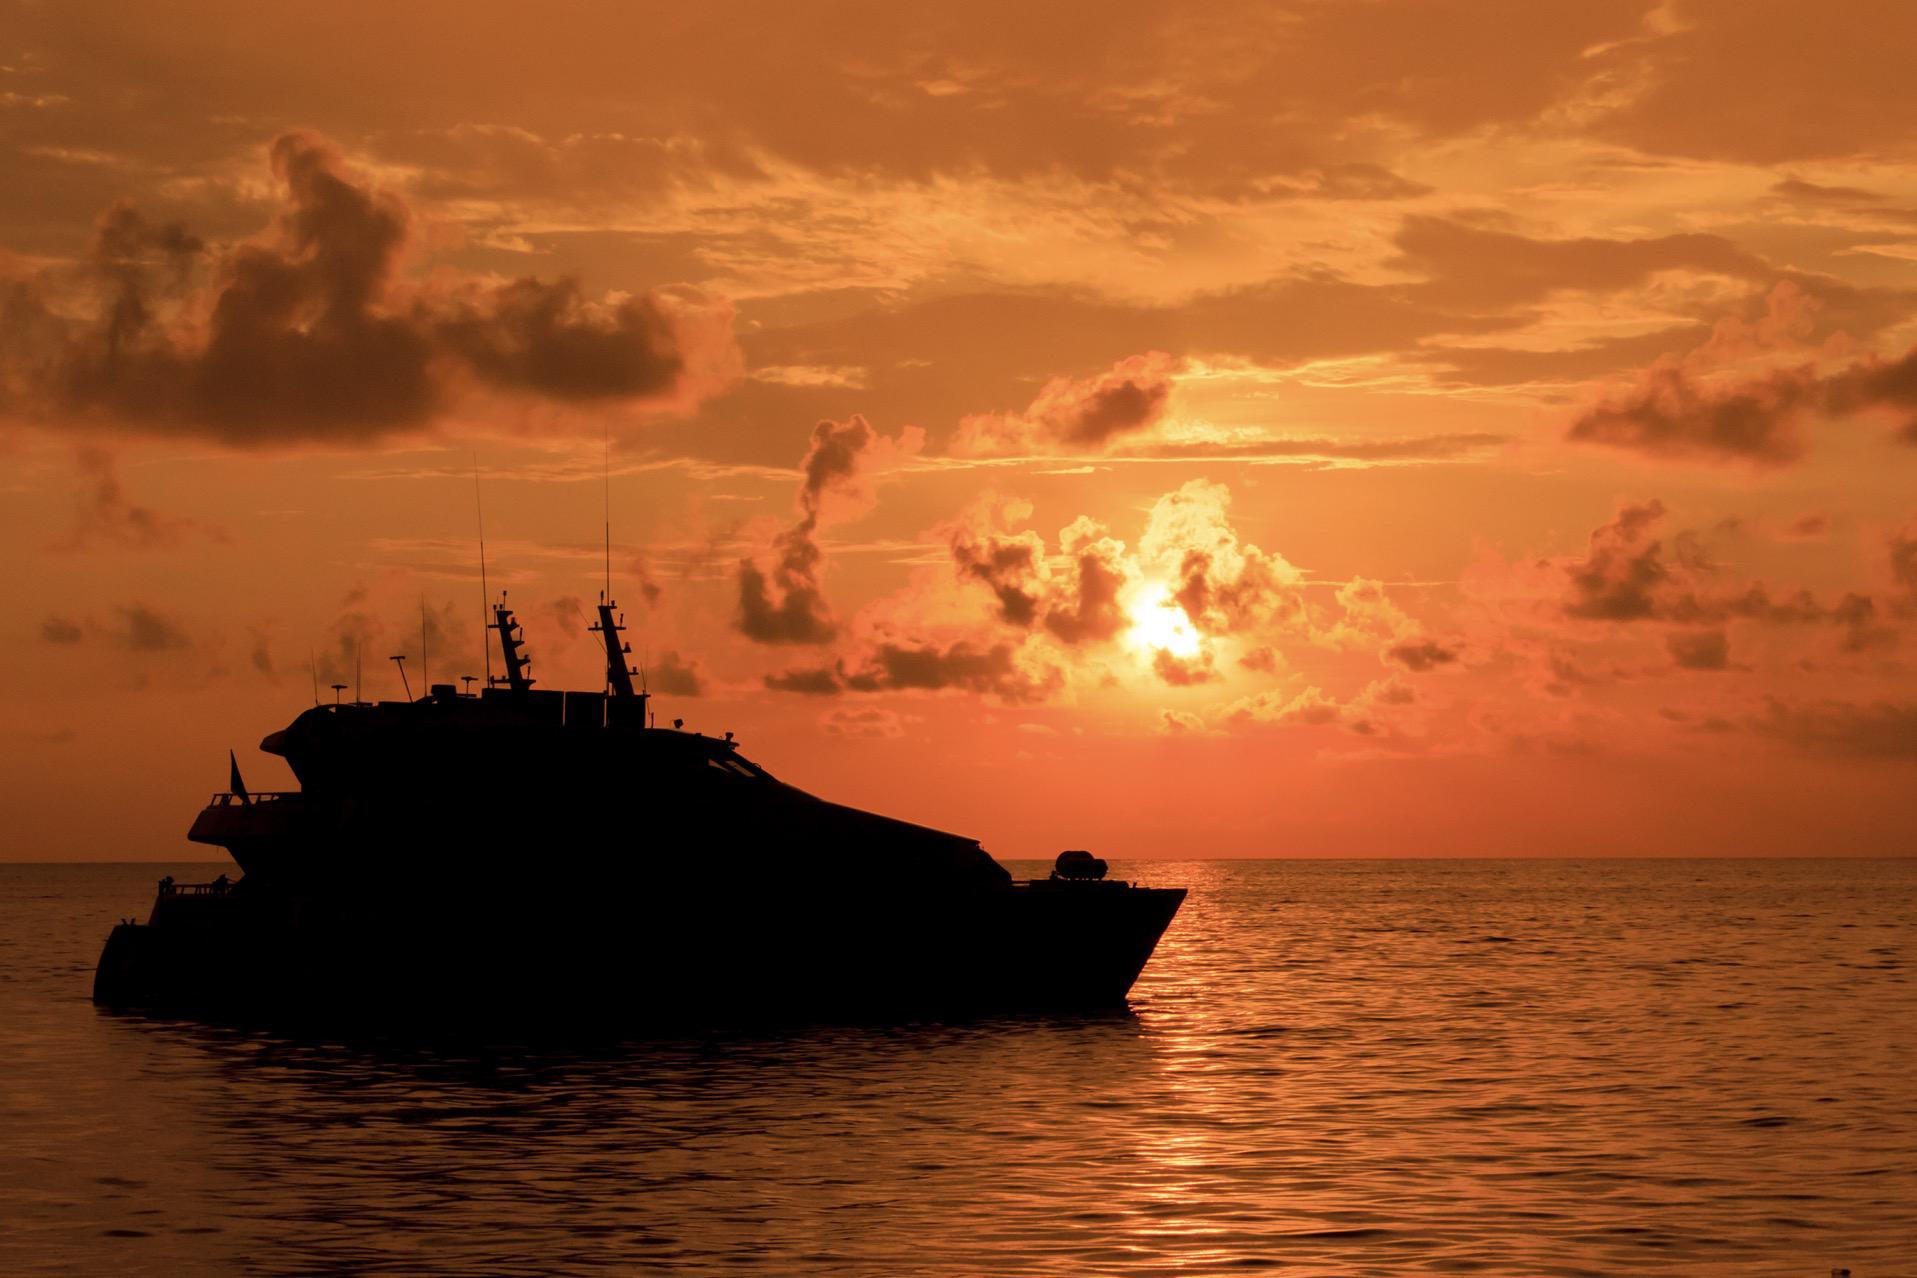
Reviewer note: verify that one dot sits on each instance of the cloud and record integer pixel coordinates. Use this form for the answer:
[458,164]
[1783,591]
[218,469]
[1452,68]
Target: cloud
[1420,655]
[868,721]
[817,682]
[144,630]
[105,513]
[674,676]
[1076,601]
[1412,449]
[1183,672]
[1902,549]
[60,630]
[1622,573]
[1630,575]
[888,664]
[311,332]
[1072,416]
[1224,585]
[1699,649]
[1089,611]
[784,602]
[1675,412]
[1873,730]
[1674,415]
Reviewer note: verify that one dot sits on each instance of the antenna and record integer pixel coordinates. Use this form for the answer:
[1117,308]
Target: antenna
[485,595]
[400,661]
[425,671]
[312,662]
[606,471]
[337,689]
[359,668]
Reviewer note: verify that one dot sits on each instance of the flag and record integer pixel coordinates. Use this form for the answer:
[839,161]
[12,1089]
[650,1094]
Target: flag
[234,783]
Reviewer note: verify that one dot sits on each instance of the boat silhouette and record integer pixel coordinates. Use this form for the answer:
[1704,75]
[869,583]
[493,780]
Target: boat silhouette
[521,853]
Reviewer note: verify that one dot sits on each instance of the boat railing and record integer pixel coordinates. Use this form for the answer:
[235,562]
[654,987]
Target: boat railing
[229,799]
[219,887]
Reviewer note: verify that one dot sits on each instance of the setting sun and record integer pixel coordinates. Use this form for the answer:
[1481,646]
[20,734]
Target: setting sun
[1158,624]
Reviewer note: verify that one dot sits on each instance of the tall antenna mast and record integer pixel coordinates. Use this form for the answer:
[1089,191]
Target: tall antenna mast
[425,671]
[359,667]
[312,662]
[485,595]
[606,470]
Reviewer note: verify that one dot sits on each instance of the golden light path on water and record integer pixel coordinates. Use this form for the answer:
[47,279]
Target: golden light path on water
[1361,1067]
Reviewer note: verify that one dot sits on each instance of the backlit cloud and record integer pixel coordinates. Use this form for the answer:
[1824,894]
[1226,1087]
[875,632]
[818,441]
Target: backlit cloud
[312,331]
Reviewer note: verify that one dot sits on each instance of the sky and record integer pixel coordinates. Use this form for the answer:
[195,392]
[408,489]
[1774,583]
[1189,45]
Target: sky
[1360,428]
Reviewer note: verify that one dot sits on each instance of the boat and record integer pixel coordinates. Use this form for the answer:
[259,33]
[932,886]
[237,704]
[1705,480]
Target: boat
[519,853]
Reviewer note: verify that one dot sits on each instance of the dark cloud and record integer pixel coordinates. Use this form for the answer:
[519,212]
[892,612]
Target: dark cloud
[820,682]
[1902,548]
[896,665]
[105,512]
[1876,730]
[1183,672]
[310,332]
[784,602]
[1076,415]
[1086,610]
[1673,414]
[973,667]
[1628,574]
[1078,605]
[1623,572]
[1420,655]
[1010,565]
[1677,413]
[144,630]
[60,630]
[675,676]
[1802,192]
[1699,649]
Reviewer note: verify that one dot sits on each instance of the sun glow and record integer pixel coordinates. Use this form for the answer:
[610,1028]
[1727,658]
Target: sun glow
[1158,622]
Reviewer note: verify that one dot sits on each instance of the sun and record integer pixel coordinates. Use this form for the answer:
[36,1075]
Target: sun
[1158,622]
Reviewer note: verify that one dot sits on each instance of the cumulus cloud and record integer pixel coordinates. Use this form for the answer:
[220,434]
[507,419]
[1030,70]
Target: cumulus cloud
[998,669]
[782,601]
[1630,574]
[1623,572]
[1420,655]
[311,331]
[674,676]
[1677,412]
[1076,415]
[1225,585]
[1183,672]
[1074,596]
[1699,649]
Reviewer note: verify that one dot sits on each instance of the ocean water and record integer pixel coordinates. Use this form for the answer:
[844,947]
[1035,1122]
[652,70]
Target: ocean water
[1330,1068]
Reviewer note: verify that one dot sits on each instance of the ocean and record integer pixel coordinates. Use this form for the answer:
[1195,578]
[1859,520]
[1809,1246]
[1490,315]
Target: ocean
[1523,1067]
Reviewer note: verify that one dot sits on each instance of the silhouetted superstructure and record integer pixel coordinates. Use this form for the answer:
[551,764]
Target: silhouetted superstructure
[528,852]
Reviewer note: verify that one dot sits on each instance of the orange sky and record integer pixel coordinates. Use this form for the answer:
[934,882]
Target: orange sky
[1463,427]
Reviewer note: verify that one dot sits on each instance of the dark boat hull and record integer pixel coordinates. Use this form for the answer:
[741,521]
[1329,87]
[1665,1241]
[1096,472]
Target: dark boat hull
[636,953]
